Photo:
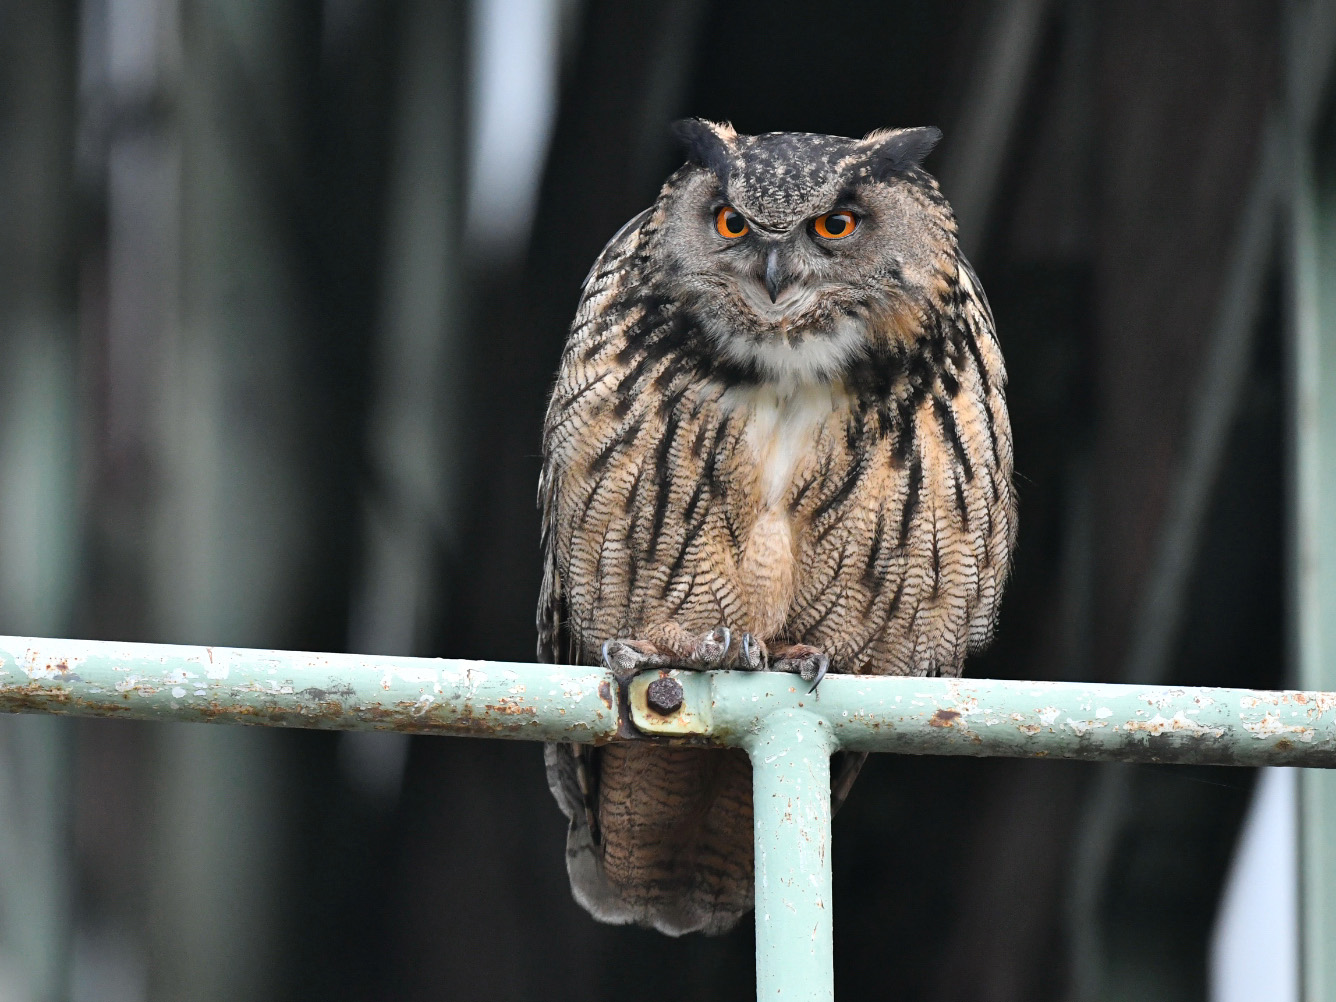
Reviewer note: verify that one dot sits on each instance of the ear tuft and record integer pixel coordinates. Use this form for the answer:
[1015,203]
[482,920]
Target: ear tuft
[895,151]
[707,144]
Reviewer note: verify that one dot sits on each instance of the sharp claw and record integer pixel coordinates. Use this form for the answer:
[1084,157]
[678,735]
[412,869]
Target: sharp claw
[728,640]
[606,662]
[822,665]
[753,653]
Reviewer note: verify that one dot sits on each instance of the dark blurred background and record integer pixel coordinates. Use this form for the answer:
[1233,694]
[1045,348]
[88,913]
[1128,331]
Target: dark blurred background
[282,290]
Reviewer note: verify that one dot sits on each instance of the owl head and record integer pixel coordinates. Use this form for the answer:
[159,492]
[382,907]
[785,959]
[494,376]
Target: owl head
[798,253]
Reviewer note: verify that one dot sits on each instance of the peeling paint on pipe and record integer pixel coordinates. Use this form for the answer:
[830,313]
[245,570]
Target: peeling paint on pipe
[795,909]
[297,689]
[918,716]
[1016,719]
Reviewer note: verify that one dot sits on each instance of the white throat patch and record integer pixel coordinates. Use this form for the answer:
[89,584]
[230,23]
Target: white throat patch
[782,430]
[817,358]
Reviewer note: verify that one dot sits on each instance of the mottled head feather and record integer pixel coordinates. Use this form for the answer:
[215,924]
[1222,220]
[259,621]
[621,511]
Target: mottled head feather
[895,151]
[708,144]
[782,300]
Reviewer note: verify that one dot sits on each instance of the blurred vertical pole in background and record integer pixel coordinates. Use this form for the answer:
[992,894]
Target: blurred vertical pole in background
[1312,253]
[38,534]
[38,509]
[1183,250]
[413,434]
[229,538]
[229,521]
[128,166]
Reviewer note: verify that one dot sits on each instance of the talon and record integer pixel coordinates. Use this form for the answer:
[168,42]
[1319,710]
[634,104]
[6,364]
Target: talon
[712,647]
[822,665]
[753,653]
[807,662]
[626,657]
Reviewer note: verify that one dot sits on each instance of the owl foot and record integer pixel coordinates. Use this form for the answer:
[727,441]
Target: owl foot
[711,648]
[808,662]
[627,657]
[690,650]
[754,655]
[703,651]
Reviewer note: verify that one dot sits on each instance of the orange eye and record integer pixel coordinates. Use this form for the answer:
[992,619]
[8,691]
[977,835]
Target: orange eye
[835,225]
[729,222]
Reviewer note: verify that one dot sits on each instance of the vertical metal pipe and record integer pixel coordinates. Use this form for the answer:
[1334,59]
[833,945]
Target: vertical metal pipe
[1313,256]
[1312,293]
[790,756]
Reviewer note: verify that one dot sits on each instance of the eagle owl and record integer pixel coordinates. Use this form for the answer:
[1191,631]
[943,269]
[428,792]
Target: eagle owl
[778,438]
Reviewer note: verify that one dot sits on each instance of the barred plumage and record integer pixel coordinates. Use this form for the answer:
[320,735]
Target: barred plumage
[830,468]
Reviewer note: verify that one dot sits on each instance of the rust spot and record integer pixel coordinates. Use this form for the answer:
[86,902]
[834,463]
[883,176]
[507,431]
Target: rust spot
[1284,744]
[508,707]
[35,697]
[335,705]
[605,693]
[944,718]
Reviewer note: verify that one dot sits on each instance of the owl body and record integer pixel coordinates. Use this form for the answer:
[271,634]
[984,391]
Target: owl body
[797,432]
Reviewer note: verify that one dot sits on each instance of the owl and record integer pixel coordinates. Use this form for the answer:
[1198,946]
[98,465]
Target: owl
[778,439]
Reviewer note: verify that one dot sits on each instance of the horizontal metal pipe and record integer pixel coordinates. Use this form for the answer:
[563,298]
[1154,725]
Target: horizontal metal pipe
[992,717]
[921,716]
[298,689]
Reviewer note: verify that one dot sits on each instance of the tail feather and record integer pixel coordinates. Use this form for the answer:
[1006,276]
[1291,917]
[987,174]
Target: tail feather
[584,864]
[662,837]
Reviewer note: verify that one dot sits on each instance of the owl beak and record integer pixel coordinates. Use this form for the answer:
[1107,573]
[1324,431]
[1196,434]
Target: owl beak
[774,276]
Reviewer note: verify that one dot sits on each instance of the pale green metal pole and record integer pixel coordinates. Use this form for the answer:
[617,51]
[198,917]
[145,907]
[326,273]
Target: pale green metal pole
[790,755]
[1313,327]
[982,717]
[585,705]
[1312,300]
[1314,569]
[301,689]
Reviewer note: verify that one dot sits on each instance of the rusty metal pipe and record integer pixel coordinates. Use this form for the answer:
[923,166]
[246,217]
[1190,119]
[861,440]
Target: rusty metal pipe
[1015,719]
[922,716]
[298,689]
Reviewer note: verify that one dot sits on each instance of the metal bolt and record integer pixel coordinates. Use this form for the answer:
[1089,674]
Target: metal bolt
[664,695]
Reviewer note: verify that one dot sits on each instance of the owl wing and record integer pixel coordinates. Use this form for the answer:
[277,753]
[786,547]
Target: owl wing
[616,247]
[572,770]
[974,289]
[555,642]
